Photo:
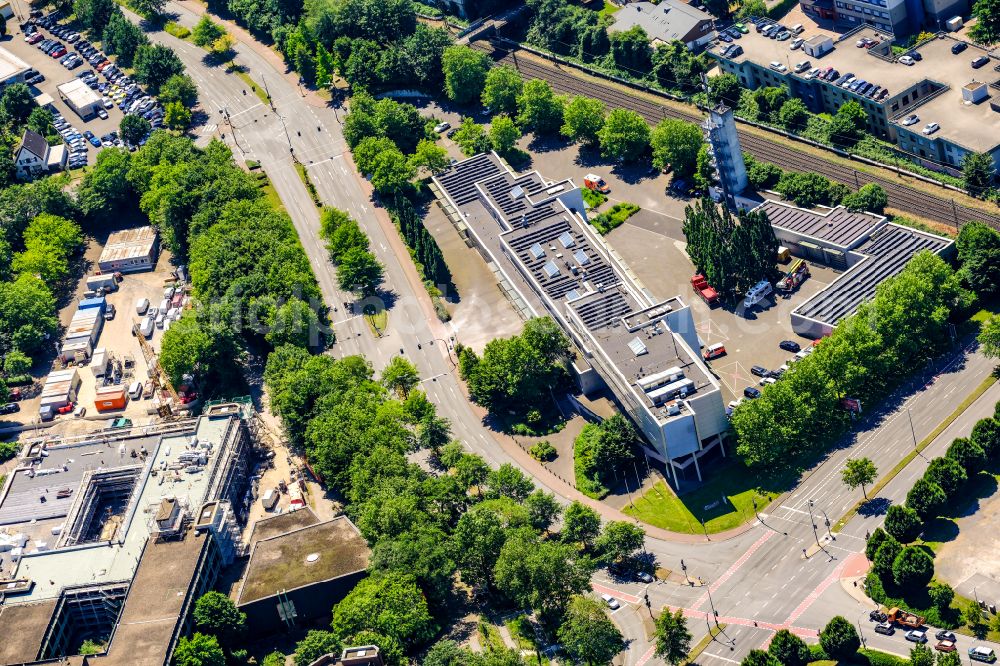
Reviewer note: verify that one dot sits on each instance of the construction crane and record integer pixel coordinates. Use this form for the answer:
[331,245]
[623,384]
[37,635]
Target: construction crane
[156,373]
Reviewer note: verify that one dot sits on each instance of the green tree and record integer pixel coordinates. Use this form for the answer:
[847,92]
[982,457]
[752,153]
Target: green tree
[27,314]
[17,103]
[758,657]
[583,118]
[921,655]
[793,114]
[543,509]
[273,659]
[199,650]
[426,553]
[968,454]
[581,525]
[941,595]
[724,89]
[949,658]
[16,362]
[619,540]
[176,116]
[789,649]
[973,615]
[447,652]
[978,248]
[122,38]
[673,640]
[206,31]
[913,568]
[389,647]
[359,270]
[294,322]
[388,604]
[885,558]
[859,472]
[504,134]
[989,337]
[587,633]
[134,129]
[509,481]
[987,27]
[625,136]
[215,613]
[315,644]
[630,50]
[429,155]
[839,639]
[804,189]
[848,124]
[155,64]
[543,575]
[472,138]
[948,474]
[870,198]
[538,109]
[903,523]
[464,73]
[877,537]
[148,8]
[392,172]
[400,376]
[179,88]
[502,87]
[676,142]
[94,14]
[926,498]
[367,151]
[749,8]
[40,121]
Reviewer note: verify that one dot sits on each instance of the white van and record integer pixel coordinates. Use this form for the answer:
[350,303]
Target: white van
[269,499]
[135,390]
[164,305]
[757,293]
[146,328]
[141,306]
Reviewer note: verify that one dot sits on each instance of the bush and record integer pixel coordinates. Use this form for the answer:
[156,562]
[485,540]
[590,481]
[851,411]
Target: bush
[593,198]
[178,31]
[839,639]
[876,658]
[614,217]
[543,451]
[584,463]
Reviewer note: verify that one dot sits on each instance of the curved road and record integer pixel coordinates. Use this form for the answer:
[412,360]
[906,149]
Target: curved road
[759,575]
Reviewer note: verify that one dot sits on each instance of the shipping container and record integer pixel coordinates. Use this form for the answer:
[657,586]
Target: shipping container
[97,302]
[110,397]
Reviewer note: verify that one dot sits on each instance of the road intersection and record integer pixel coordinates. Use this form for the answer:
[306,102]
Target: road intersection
[772,575]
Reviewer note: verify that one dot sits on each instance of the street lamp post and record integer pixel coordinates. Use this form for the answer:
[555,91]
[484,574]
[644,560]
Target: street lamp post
[826,520]
[711,603]
[685,570]
[812,521]
[861,634]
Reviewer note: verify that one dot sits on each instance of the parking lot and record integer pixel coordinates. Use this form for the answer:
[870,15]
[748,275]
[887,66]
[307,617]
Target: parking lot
[110,83]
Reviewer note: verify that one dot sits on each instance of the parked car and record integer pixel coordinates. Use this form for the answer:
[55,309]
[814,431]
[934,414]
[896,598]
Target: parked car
[945,646]
[885,628]
[944,635]
[911,119]
[102,114]
[777,66]
[751,392]
[958,47]
[916,636]
[982,653]
[930,128]
[790,346]
[759,370]
[907,60]
[796,43]
[980,61]
[10,408]
[645,577]
[610,601]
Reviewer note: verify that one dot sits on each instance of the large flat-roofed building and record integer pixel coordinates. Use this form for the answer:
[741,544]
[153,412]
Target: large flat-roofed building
[130,251]
[12,68]
[551,262]
[867,247]
[941,88]
[98,534]
[299,568]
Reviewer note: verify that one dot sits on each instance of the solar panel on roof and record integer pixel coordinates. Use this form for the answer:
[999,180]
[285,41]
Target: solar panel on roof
[637,346]
[566,238]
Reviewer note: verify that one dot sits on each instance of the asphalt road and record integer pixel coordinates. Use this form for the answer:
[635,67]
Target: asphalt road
[760,576]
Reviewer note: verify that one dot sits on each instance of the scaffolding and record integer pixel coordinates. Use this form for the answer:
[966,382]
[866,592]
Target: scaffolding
[157,376]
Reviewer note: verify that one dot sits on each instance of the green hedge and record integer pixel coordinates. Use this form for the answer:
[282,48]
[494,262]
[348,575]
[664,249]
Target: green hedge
[614,217]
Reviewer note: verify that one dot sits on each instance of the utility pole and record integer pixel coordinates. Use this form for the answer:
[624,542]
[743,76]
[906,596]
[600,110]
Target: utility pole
[812,521]
[913,432]
[715,613]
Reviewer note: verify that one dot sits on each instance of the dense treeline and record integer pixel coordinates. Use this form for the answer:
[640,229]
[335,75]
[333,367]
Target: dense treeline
[489,526]
[423,248]
[866,357]
[248,269]
[732,252]
[39,241]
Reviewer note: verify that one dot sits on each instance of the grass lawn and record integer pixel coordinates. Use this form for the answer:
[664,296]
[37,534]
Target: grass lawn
[609,9]
[522,633]
[233,68]
[700,646]
[489,636]
[377,320]
[740,486]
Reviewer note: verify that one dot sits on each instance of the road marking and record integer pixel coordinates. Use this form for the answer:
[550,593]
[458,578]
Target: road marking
[735,567]
[624,596]
[788,508]
[430,379]
[815,594]
[715,656]
[344,321]
[646,656]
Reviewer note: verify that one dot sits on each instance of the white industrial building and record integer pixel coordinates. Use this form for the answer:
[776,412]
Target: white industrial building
[647,352]
[129,251]
[79,97]
[12,68]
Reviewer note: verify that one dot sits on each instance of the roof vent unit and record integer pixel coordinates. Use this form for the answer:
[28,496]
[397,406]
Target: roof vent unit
[673,409]
[551,269]
[555,189]
[581,257]
[567,240]
[637,346]
[516,192]
[536,251]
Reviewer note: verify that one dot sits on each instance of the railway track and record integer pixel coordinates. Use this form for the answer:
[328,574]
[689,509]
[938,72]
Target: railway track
[901,196]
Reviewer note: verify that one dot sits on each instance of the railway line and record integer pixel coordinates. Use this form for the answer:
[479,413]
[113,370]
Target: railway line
[901,196]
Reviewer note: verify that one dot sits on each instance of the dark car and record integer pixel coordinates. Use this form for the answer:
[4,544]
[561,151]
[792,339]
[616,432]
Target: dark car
[10,408]
[885,628]
[790,346]
[751,392]
[980,61]
[945,636]
[760,371]
[958,47]
[915,55]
